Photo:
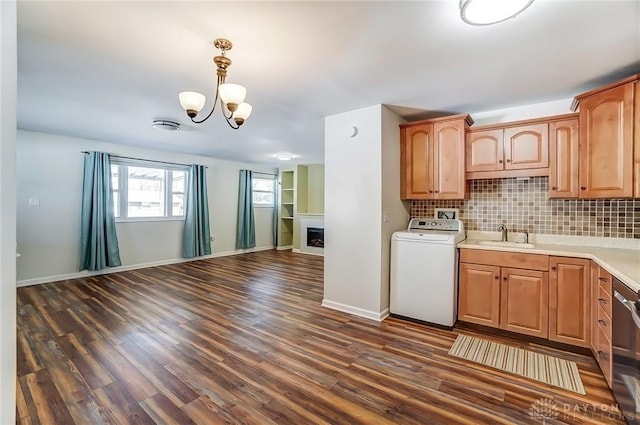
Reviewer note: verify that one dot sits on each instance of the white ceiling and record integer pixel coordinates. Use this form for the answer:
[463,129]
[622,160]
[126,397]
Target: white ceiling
[106,70]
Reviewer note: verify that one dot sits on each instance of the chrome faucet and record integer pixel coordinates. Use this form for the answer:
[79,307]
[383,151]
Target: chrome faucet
[526,236]
[504,231]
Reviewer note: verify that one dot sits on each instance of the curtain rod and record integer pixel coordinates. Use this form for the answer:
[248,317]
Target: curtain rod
[266,174]
[146,160]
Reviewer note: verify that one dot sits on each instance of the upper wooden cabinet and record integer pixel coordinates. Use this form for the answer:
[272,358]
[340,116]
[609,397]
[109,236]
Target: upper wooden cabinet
[432,158]
[563,164]
[499,151]
[416,155]
[608,118]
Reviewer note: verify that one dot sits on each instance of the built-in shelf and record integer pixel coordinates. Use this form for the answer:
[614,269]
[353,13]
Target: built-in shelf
[286,208]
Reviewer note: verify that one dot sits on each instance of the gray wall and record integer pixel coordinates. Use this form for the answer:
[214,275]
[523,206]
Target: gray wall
[49,167]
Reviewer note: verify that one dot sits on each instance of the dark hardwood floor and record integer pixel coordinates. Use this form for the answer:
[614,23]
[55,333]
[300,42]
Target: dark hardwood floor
[244,340]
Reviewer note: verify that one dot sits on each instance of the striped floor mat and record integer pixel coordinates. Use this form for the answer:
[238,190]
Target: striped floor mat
[540,367]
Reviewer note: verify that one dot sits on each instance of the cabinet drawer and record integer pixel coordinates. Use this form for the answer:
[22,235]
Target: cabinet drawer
[603,355]
[603,321]
[604,300]
[515,260]
[604,279]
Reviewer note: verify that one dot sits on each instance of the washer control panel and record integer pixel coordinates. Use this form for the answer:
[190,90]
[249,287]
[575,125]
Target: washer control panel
[440,224]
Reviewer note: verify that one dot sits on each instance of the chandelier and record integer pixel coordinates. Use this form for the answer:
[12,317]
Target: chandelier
[488,12]
[234,109]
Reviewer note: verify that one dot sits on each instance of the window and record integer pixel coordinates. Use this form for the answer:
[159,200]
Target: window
[143,191]
[263,191]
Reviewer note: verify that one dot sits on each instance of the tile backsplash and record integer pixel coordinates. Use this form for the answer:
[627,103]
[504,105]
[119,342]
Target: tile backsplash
[524,204]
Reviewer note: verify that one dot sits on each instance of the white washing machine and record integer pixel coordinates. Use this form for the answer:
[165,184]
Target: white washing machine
[424,271]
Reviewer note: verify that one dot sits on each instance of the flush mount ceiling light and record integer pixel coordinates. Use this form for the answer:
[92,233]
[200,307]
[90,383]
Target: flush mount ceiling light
[487,12]
[284,156]
[165,125]
[234,109]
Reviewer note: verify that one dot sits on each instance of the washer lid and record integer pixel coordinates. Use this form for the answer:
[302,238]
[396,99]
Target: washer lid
[422,236]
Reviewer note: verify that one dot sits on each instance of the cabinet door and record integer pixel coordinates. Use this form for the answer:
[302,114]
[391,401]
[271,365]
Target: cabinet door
[606,144]
[416,160]
[563,164]
[569,301]
[526,147]
[479,296]
[485,151]
[448,160]
[524,303]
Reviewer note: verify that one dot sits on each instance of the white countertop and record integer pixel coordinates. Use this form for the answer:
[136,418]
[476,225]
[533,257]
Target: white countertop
[621,258]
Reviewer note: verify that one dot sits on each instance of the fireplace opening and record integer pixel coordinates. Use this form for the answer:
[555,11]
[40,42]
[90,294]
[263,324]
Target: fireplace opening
[315,237]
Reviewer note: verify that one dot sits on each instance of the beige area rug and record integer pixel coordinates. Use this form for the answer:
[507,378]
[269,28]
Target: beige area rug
[540,367]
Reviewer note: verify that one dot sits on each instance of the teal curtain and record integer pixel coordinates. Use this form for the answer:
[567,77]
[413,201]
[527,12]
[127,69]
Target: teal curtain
[197,234]
[98,238]
[246,230]
[276,202]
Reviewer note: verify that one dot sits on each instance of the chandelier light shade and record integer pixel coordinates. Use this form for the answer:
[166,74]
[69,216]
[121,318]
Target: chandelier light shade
[488,12]
[232,105]
[192,102]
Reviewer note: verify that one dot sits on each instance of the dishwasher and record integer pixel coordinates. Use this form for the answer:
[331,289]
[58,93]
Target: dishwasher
[625,337]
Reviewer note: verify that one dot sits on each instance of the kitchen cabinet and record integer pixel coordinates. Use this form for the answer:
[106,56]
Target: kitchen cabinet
[432,158]
[479,295]
[570,300]
[517,149]
[504,290]
[524,300]
[608,120]
[563,153]
[601,304]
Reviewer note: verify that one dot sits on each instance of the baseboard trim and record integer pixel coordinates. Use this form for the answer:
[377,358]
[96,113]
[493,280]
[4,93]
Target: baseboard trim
[308,253]
[77,275]
[284,248]
[356,311]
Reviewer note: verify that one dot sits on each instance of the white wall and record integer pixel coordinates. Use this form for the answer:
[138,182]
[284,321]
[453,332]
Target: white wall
[356,254]
[8,83]
[525,112]
[49,167]
[395,212]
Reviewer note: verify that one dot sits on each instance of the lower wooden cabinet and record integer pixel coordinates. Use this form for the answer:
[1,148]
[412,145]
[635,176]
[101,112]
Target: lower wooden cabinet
[601,289]
[569,301]
[524,297]
[479,299]
[509,298]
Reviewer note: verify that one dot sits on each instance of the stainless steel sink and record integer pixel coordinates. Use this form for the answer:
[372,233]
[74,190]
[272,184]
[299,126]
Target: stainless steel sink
[507,244]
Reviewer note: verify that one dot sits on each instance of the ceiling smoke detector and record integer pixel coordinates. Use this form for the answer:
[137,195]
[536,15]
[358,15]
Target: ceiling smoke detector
[165,125]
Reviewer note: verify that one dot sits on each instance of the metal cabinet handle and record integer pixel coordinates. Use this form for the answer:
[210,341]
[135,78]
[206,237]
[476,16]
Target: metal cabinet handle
[603,355]
[553,268]
[504,278]
[602,322]
[499,161]
[508,160]
[583,188]
[497,277]
[554,188]
[602,301]
[603,279]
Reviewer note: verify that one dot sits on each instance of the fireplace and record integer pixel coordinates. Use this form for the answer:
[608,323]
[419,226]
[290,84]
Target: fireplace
[315,237]
[312,234]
